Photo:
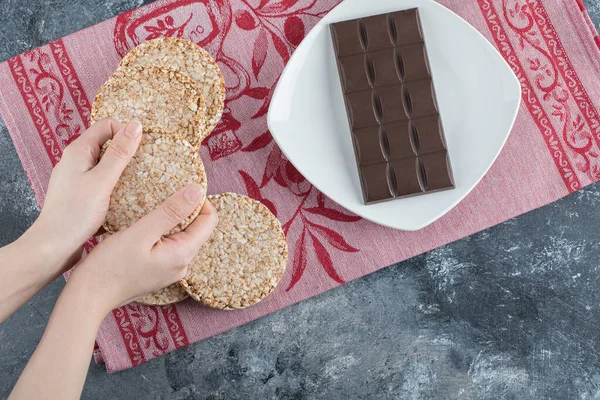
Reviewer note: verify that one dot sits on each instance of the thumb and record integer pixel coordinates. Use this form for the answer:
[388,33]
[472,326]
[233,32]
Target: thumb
[170,213]
[118,154]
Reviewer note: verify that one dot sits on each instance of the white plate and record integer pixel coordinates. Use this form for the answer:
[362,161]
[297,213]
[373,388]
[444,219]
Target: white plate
[478,96]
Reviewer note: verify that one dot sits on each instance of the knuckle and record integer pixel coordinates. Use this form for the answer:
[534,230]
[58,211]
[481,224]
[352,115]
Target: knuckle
[93,152]
[119,150]
[177,260]
[181,274]
[188,255]
[177,273]
[105,121]
[182,260]
[173,211]
[183,255]
[108,120]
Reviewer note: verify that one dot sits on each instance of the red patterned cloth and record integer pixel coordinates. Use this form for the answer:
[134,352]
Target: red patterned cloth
[553,150]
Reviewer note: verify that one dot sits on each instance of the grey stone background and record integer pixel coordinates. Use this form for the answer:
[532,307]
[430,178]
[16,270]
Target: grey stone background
[510,313]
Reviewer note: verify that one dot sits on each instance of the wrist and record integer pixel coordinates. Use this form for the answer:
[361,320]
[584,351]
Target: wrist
[83,292]
[46,231]
[50,251]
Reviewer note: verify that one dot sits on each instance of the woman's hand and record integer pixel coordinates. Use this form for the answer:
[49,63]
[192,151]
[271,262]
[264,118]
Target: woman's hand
[124,267]
[137,261]
[80,186]
[74,208]
[127,265]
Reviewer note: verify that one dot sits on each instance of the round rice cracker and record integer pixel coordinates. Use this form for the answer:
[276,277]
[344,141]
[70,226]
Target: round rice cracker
[156,97]
[243,260]
[163,297]
[190,59]
[163,164]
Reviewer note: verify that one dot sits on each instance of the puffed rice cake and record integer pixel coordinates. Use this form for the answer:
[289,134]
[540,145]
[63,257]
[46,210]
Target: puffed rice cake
[243,260]
[169,295]
[155,96]
[163,164]
[190,59]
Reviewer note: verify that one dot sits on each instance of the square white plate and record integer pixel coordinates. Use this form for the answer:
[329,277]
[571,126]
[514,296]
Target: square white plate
[478,97]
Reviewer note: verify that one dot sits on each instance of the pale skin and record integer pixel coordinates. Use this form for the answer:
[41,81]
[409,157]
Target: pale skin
[74,209]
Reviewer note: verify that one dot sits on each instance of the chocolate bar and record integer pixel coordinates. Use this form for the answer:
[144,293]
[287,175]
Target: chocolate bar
[391,106]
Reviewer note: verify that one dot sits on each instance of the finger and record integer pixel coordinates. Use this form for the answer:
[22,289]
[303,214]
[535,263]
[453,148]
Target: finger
[169,214]
[83,152]
[195,235]
[119,153]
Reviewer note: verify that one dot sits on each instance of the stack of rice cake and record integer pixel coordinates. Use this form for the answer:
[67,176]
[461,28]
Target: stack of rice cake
[176,90]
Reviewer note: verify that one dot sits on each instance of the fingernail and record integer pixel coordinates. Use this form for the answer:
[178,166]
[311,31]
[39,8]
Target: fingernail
[133,129]
[193,193]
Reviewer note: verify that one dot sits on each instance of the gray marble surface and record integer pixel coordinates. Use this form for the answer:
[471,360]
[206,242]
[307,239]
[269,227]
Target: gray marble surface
[510,313]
